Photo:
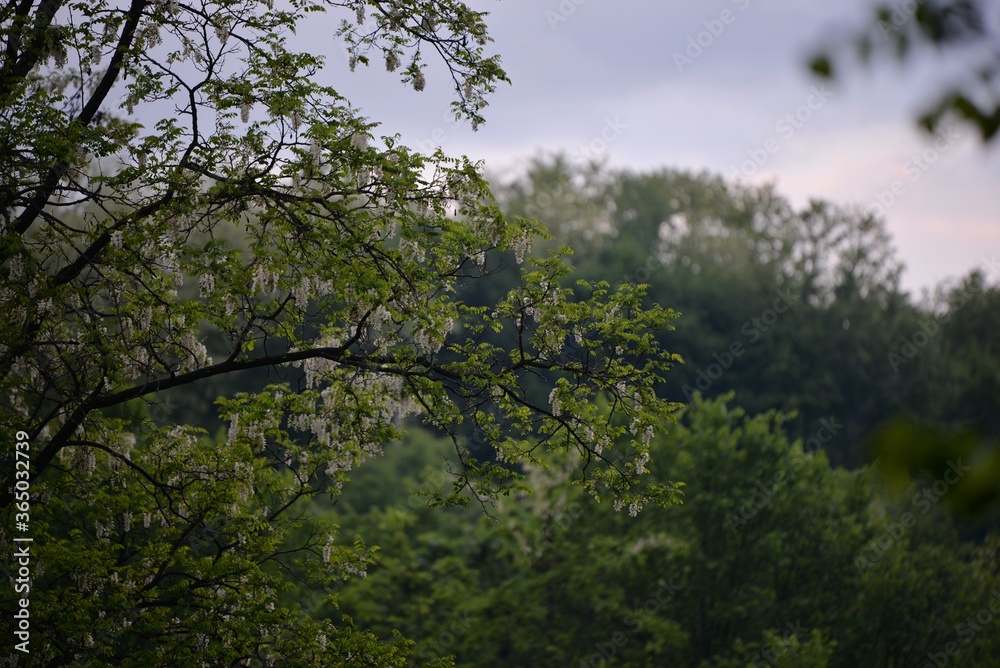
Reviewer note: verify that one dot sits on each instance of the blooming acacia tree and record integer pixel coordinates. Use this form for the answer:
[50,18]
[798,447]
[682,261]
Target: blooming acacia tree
[174,171]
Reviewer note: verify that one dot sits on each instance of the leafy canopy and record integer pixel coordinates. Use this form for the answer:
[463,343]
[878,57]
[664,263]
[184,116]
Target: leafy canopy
[184,201]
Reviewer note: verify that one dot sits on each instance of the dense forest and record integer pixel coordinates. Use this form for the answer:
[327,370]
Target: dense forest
[791,548]
[803,535]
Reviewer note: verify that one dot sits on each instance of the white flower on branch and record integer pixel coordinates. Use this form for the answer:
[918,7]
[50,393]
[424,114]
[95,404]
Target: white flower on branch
[300,293]
[59,55]
[264,279]
[379,317]
[426,342]
[391,61]
[554,403]
[16,269]
[207,283]
[521,246]
[359,140]
[411,250]
[152,35]
[327,549]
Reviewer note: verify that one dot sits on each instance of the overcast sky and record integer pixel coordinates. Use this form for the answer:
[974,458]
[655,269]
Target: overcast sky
[583,68]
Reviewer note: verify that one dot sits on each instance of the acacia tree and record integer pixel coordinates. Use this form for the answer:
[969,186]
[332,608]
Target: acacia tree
[176,170]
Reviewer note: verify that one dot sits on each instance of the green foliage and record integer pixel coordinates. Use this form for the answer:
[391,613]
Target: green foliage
[789,309]
[773,559]
[177,552]
[186,207]
[780,650]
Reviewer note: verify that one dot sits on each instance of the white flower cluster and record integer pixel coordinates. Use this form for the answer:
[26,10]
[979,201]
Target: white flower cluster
[252,430]
[385,229]
[327,549]
[145,318]
[58,54]
[265,279]
[356,569]
[315,368]
[491,229]
[16,269]
[243,475]
[411,250]
[390,393]
[359,140]
[173,6]
[194,354]
[521,246]
[94,55]
[151,34]
[164,252]
[300,293]
[207,283]
[554,403]
[86,460]
[379,317]
[343,461]
[391,61]
[428,341]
